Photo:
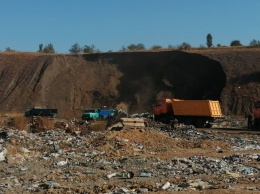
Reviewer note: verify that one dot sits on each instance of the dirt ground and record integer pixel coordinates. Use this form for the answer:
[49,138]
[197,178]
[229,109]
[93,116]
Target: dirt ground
[64,155]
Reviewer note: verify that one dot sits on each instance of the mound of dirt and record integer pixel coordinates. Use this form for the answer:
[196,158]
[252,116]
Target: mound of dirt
[150,143]
[72,83]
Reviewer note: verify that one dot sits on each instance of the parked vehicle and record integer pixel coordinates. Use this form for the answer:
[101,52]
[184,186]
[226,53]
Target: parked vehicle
[199,113]
[43,112]
[91,114]
[255,116]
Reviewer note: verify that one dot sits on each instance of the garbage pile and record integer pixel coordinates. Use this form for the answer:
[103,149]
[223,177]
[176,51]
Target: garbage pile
[228,122]
[154,158]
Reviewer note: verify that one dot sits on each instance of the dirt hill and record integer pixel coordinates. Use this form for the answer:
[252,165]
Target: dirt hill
[130,80]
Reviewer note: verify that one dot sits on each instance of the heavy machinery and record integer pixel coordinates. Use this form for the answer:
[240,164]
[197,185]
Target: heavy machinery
[90,114]
[199,113]
[39,111]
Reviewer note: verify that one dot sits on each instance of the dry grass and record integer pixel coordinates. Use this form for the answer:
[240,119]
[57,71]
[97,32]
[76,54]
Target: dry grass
[190,50]
[98,126]
[14,119]
[224,49]
[48,123]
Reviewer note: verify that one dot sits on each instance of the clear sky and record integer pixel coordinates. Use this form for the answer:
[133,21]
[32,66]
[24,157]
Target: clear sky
[111,24]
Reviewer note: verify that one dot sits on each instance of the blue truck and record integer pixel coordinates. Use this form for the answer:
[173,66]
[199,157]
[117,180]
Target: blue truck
[91,114]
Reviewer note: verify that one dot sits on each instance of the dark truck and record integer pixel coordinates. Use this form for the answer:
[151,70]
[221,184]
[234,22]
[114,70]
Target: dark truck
[43,112]
[91,114]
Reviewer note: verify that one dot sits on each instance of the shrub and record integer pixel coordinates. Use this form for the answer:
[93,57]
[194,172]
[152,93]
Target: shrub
[184,46]
[235,43]
[156,47]
[254,43]
[75,48]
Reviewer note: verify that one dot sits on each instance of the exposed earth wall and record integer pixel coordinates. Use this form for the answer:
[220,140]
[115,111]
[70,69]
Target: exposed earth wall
[129,80]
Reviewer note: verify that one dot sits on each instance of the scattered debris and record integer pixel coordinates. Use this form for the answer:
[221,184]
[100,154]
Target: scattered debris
[66,156]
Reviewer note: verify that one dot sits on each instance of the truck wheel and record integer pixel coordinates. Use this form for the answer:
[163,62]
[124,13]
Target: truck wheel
[189,121]
[164,120]
[200,123]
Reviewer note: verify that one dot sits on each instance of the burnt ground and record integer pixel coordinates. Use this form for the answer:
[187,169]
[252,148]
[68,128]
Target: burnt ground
[129,80]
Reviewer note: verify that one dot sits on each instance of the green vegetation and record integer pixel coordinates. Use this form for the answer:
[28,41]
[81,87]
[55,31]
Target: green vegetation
[75,48]
[89,49]
[184,46]
[209,40]
[47,49]
[171,46]
[235,43]
[156,47]
[132,47]
[254,43]
[40,48]
[8,49]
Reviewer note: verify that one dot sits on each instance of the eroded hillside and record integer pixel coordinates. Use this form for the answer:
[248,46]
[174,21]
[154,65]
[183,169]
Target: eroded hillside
[75,82]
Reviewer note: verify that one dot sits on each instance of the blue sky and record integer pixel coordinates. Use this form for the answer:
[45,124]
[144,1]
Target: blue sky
[111,24]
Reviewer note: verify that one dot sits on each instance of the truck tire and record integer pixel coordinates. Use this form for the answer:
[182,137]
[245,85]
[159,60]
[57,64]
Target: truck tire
[189,121]
[200,123]
[163,120]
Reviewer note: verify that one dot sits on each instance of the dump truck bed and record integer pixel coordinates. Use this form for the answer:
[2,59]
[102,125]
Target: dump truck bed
[208,108]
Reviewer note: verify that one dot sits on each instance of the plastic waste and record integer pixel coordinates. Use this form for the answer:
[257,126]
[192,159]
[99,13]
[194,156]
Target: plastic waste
[62,163]
[128,175]
[145,174]
[2,155]
[111,175]
[141,159]
[166,185]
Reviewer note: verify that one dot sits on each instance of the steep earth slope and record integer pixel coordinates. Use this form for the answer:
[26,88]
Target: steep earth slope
[242,69]
[130,80]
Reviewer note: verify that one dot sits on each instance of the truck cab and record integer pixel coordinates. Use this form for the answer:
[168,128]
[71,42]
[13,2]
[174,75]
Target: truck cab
[162,109]
[90,114]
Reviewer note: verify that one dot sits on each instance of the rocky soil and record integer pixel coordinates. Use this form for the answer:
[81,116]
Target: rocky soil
[152,159]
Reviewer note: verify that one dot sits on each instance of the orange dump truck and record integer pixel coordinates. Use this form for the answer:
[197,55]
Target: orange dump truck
[190,112]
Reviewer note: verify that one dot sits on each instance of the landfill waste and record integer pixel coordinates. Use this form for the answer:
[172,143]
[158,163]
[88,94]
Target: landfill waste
[127,175]
[3,153]
[145,174]
[198,183]
[70,158]
[166,186]
[111,175]
[62,163]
